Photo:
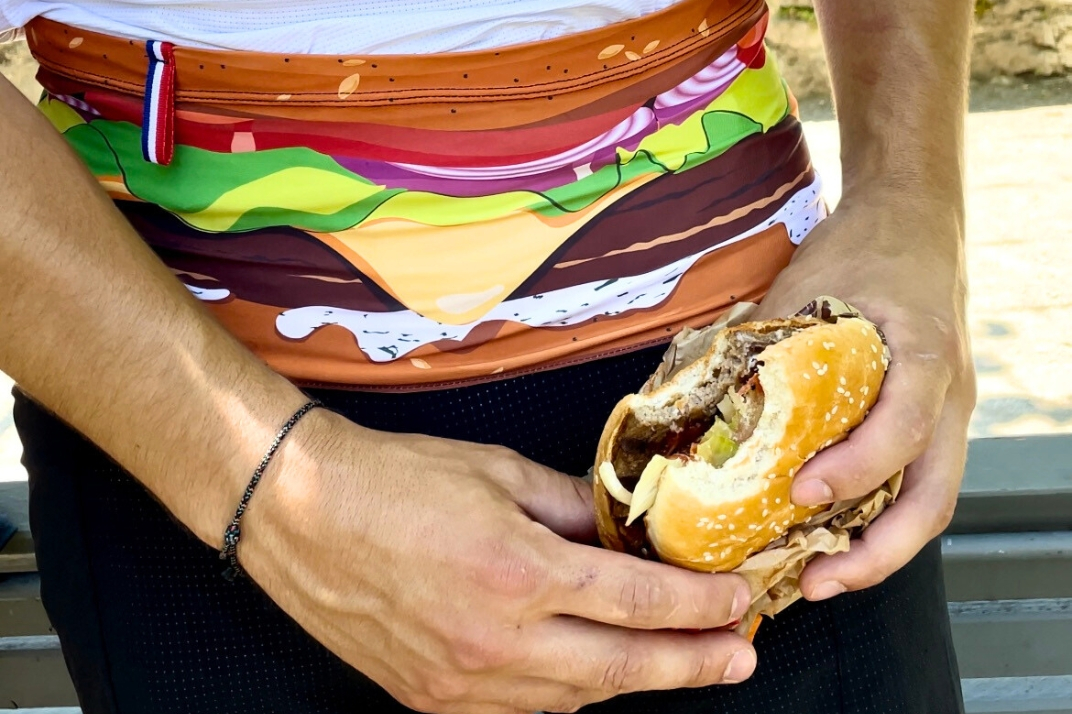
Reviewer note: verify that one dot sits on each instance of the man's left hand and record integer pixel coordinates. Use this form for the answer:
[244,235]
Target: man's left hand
[897,256]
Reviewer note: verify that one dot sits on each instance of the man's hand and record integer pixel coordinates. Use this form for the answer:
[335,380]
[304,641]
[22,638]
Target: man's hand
[444,571]
[897,258]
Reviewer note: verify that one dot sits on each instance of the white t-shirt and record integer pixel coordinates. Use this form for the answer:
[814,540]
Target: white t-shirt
[334,26]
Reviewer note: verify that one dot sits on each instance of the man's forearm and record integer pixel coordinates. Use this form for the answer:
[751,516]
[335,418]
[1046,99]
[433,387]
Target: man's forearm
[899,73]
[97,329]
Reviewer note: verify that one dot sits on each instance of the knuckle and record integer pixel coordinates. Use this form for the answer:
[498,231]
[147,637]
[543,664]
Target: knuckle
[943,515]
[476,654]
[444,687]
[969,391]
[418,702]
[705,671]
[877,569]
[509,571]
[643,597]
[919,427]
[571,701]
[568,705]
[622,669]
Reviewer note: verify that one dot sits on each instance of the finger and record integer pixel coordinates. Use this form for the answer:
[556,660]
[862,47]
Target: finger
[537,694]
[896,432]
[561,503]
[620,589]
[471,708]
[923,509]
[613,661]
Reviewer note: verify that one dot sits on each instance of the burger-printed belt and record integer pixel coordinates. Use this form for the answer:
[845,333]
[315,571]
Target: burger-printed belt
[420,222]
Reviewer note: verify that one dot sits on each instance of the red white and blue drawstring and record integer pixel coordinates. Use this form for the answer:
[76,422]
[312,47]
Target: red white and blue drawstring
[158,114]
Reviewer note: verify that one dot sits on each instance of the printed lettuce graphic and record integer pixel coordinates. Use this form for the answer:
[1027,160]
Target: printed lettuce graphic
[230,192]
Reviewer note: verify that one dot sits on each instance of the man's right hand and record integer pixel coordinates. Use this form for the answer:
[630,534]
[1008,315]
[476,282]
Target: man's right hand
[445,572]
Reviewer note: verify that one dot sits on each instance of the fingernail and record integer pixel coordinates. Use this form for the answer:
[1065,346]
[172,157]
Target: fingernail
[829,589]
[741,600]
[740,667]
[812,493]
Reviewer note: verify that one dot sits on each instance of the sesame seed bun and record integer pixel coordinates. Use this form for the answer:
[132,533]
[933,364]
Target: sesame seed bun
[818,379]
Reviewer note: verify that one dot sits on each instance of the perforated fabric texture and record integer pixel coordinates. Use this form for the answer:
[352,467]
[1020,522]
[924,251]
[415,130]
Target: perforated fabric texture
[148,625]
[334,26]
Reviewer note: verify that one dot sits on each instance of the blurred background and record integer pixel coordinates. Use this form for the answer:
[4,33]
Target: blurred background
[1008,554]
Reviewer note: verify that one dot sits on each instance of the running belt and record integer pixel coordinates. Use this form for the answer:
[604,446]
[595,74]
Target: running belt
[415,222]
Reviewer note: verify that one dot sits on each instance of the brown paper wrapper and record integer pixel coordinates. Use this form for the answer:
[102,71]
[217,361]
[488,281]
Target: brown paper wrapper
[773,574]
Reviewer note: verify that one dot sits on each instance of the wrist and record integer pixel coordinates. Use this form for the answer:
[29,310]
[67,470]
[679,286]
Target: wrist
[299,497]
[932,181]
[244,421]
[909,211]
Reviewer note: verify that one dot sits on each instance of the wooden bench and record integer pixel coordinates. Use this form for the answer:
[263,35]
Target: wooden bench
[1008,573]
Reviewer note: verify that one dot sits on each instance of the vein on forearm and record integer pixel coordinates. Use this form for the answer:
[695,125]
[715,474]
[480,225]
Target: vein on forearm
[899,74]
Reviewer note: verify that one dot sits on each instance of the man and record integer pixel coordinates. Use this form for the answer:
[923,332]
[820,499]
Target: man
[456,577]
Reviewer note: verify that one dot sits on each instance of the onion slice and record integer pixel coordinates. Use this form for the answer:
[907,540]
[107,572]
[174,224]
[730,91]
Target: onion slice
[646,488]
[614,487]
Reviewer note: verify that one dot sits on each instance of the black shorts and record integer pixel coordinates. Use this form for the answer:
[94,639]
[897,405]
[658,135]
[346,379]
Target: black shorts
[148,626]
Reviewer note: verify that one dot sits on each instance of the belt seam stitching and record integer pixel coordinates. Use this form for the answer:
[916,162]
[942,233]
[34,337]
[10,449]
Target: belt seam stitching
[579,83]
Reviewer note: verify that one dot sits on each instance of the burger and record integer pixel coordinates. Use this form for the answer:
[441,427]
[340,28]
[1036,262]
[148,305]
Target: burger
[695,469]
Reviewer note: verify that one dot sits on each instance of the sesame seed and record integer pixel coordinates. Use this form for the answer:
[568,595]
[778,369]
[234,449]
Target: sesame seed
[841,390]
[722,516]
[764,501]
[718,526]
[874,349]
[777,501]
[785,522]
[766,512]
[815,365]
[874,365]
[807,376]
[828,345]
[732,527]
[753,527]
[851,400]
[708,557]
[854,350]
[810,455]
[811,342]
[863,330]
[739,511]
[833,410]
[842,380]
[725,552]
[844,420]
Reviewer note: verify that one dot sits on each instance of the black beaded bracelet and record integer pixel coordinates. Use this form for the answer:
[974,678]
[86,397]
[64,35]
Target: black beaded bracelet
[234,532]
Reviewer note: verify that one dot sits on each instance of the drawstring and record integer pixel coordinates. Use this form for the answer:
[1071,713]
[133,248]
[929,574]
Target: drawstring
[158,114]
